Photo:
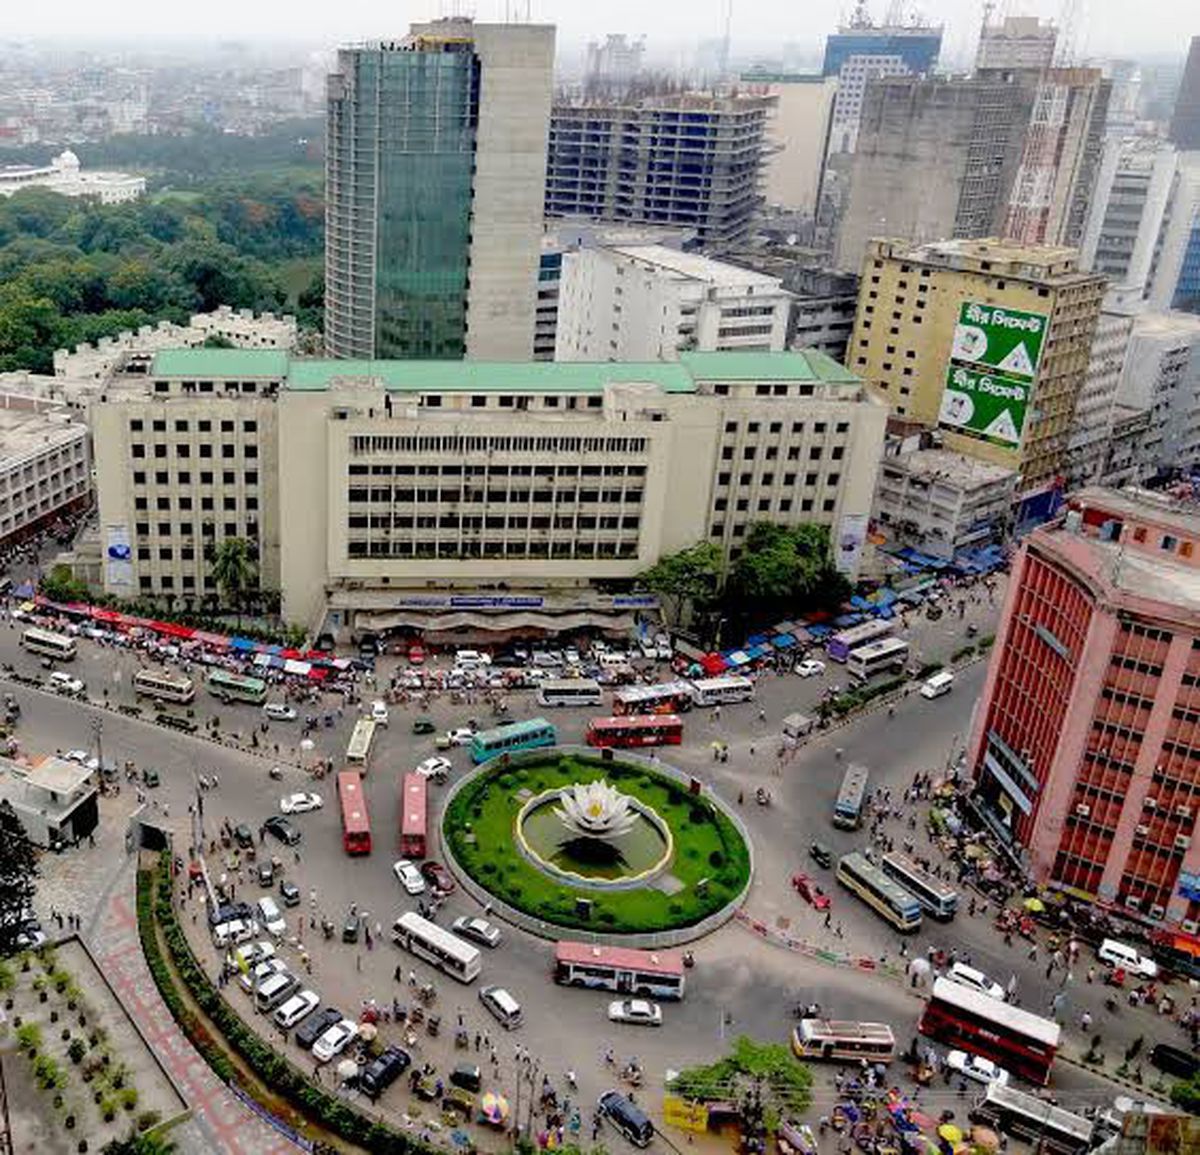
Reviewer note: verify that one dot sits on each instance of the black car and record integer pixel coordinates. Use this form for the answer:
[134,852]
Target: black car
[266,873]
[381,1073]
[289,892]
[1174,1060]
[243,836]
[467,1076]
[228,911]
[282,829]
[821,854]
[350,928]
[316,1025]
[627,1117]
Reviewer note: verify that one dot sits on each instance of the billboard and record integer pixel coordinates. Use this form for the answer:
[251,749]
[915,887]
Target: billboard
[994,358]
[118,558]
[684,1114]
[848,545]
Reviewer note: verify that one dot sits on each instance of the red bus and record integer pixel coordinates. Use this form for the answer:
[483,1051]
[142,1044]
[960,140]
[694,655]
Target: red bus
[356,824]
[636,730]
[1022,1043]
[412,816]
[656,974]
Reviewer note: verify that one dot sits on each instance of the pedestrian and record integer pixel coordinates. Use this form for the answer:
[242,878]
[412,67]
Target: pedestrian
[828,917]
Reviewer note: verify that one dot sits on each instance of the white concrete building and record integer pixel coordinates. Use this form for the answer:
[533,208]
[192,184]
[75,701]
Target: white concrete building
[798,136]
[941,502]
[472,495]
[649,303]
[45,465]
[65,176]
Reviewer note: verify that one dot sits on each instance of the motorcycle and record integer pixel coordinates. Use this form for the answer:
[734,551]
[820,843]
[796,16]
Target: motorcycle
[762,796]
[276,772]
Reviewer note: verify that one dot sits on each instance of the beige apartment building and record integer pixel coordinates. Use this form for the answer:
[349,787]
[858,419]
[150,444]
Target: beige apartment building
[987,340]
[446,495]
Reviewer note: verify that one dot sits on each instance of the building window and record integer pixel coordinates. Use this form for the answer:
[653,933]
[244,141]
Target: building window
[1168,542]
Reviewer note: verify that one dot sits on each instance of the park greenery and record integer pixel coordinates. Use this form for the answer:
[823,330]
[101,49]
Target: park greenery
[479,829]
[18,869]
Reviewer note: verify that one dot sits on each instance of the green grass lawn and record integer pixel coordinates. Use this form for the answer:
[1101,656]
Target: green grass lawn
[479,829]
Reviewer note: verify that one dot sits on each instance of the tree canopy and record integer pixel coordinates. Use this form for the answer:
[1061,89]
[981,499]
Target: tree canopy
[783,1085]
[18,869]
[787,568]
[686,581]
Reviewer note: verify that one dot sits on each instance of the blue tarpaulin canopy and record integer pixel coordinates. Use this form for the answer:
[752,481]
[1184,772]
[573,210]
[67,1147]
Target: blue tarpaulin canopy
[819,631]
[783,641]
[756,640]
[243,644]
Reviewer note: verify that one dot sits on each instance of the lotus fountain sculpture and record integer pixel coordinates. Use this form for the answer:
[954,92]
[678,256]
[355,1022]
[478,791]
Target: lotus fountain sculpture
[595,810]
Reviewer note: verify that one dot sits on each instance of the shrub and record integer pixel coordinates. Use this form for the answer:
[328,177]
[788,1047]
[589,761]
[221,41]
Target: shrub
[129,1098]
[76,1051]
[962,652]
[716,860]
[7,978]
[108,1108]
[46,1071]
[61,980]
[148,1119]
[29,1037]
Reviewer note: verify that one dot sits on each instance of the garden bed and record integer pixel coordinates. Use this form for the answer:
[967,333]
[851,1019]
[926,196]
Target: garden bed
[479,826]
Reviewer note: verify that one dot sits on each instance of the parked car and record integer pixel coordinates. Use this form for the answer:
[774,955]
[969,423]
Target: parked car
[265,872]
[258,974]
[408,876]
[282,829]
[289,892]
[334,1041]
[628,1118]
[1174,1060]
[976,1068]
[316,1025]
[296,1008]
[810,667]
[468,1076]
[477,930]
[970,977]
[379,713]
[243,835]
[300,803]
[381,1072]
[438,877]
[61,683]
[503,1007]
[280,712]
[821,854]
[270,917]
[639,1011]
[810,890]
[1121,955]
[252,953]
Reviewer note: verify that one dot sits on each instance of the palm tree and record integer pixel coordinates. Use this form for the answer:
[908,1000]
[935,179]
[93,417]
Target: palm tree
[235,571]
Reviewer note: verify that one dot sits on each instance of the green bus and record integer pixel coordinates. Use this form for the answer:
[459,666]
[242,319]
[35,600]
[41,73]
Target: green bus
[237,688]
[515,736]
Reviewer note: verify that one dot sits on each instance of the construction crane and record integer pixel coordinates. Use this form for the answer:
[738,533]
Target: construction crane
[725,38]
[1069,15]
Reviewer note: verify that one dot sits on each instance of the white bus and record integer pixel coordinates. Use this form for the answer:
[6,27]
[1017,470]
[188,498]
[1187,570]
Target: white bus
[877,658]
[941,683]
[851,1041]
[51,644]
[163,686]
[890,900]
[427,940]
[569,692]
[938,898]
[717,691]
[663,698]
[1037,1121]
[359,749]
[843,644]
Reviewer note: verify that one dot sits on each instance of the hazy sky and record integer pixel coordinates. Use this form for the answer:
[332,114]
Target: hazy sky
[1105,26]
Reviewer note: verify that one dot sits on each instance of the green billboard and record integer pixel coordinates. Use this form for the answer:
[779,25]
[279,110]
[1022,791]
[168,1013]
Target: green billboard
[989,379]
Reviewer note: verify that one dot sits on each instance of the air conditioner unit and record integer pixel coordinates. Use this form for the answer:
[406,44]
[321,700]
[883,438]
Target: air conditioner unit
[1133,903]
[1183,811]
[1182,841]
[1141,831]
[1149,803]
[1157,911]
[1189,926]
[1083,811]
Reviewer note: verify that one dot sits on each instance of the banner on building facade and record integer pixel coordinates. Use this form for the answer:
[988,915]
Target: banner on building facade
[848,546]
[118,558]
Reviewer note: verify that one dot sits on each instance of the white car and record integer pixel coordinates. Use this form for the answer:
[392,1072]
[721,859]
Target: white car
[639,1011]
[969,977]
[260,972]
[976,1068]
[235,931]
[571,656]
[271,916]
[379,713]
[477,930]
[649,651]
[280,712]
[252,953]
[83,758]
[300,803]
[334,1041]
[62,683]
[1122,956]
[435,768]
[461,736]
[408,876]
[809,667]
[296,1008]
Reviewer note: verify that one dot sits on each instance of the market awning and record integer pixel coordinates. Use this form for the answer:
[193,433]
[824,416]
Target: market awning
[736,657]
[713,663]
[243,644]
[783,641]
[291,666]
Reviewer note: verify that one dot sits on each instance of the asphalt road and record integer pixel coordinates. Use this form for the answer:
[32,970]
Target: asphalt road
[740,985]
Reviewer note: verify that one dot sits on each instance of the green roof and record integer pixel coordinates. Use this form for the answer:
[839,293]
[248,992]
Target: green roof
[809,365]
[217,363]
[308,375]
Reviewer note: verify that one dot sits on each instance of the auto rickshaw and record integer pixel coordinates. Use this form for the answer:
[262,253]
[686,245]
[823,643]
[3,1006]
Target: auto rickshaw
[423,725]
[150,777]
[458,1100]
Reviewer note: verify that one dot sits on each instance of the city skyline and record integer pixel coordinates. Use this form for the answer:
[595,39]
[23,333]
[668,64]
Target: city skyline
[1103,27]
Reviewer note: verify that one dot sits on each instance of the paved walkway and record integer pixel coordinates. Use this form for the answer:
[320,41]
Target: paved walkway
[221,1125]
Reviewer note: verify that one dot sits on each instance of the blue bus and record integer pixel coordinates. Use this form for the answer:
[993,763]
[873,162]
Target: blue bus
[515,736]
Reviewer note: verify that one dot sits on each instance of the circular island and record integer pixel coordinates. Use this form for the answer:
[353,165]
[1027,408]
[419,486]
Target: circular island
[568,838]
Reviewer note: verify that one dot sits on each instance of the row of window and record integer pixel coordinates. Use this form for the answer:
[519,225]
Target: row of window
[606,471]
[386,494]
[184,503]
[183,450]
[459,444]
[819,427]
[512,521]
[557,550]
[187,528]
[183,425]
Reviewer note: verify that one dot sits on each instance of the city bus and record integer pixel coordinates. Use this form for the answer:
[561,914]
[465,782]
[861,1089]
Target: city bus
[237,687]
[842,645]
[664,698]
[1177,952]
[361,739]
[1022,1043]
[649,974]
[852,797]
[427,940]
[849,1041]
[356,823]
[636,730]
[890,900]
[49,643]
[937,898]
[413,805]
[877,658]
[1038,1122]
[718,691]
[527,735]
[163,686]
[569,692]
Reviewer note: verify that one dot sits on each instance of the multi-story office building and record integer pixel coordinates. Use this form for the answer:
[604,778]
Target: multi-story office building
[45,465]
[1185,120]
[1016,43]
[1085,750]
[689,161]
[1175,268]
[860,52]
[435,177]
[613,66]
[649,303]
[510,489]
[989,341]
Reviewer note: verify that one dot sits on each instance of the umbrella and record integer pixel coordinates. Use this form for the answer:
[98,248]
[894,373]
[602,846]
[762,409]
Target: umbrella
[1034,905]
[306,744]
[347,1069]
[494,1107]
[985,1137]
[950,1133]
[367,1032]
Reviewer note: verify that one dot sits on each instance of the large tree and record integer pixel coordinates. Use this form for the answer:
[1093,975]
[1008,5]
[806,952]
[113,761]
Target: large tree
[686,581]
[786,568]
[18,869]
[234,570]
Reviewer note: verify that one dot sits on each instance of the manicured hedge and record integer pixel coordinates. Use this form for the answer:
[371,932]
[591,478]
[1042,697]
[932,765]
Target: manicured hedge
[277,1072]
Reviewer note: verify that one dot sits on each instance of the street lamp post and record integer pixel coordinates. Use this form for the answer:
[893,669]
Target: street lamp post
[97,725]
